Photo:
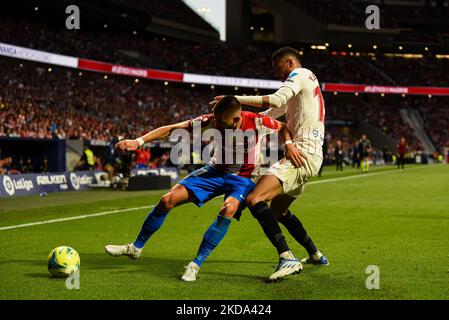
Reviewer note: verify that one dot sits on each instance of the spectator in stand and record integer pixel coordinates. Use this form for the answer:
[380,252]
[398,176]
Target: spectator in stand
[142,157]
[44,166]
[165,159]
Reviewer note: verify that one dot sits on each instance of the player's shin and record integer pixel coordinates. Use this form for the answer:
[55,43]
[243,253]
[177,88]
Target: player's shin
[297,230]
[151,224]
[212,238]
[262,212]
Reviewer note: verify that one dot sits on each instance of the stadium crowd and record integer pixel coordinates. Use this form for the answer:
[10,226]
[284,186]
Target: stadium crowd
[64,103]
[225,60]
[40,101]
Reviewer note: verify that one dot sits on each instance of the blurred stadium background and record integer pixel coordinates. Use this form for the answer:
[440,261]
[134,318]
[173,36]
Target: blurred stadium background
[66,96]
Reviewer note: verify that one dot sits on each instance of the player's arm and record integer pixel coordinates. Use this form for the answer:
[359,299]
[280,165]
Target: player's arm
[274,113]
[155,134]
[275,100]
[289,89]
[291,152]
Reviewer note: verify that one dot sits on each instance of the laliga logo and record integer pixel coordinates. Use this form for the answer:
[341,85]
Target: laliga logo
[9,186]
[74,180]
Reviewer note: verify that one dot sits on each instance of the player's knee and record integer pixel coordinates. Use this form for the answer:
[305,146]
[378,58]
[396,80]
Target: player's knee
[228,210]
[278,209]
[166,203]
[253,199]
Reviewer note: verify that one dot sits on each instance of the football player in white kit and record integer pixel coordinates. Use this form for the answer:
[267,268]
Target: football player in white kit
[301,100]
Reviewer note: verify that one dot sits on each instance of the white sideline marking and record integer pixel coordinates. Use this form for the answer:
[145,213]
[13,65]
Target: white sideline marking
[104,213]
[367,175]
[73,218]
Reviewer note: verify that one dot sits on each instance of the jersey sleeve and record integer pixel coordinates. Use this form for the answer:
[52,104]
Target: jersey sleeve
[294,82]
[274,112]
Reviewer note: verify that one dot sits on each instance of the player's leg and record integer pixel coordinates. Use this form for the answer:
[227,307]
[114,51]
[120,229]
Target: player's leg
[213,236]
[268,187]
[280,206]
[236,189]
[198,187]
[176,196]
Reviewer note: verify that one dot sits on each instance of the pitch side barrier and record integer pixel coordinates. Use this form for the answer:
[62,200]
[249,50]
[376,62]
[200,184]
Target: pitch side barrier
[41,183]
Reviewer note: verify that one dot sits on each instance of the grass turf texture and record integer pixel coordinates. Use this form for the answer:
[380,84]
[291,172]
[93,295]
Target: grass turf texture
[398,221]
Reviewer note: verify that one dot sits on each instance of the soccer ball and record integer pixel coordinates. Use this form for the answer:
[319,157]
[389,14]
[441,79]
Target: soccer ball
[63,261]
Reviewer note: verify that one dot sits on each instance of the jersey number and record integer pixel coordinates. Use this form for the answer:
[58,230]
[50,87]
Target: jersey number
[317,92]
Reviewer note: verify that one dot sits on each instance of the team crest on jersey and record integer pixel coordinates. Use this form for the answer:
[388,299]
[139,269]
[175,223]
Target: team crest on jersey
[315,133]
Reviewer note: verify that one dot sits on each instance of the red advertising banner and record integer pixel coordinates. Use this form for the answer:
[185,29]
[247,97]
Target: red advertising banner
[99,66]
[362,88]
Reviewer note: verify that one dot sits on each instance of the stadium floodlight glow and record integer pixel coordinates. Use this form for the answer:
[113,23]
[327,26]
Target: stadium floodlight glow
[134,32]
[236,88]
[374,47]
[430,96]
[105,77]
[327,44]
[382,94]
[192,85]
[166,83]
[36,8]
[335,93]
[401,47]
[105,26]
[426,48]
[321,47]
[136,80]
[251,28]
[356,94]
[212,87]
[262,28]
[49,69]
[349,46]
[313,47]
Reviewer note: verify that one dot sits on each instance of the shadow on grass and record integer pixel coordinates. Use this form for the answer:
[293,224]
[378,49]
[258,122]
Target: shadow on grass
[39,275]
[161,267]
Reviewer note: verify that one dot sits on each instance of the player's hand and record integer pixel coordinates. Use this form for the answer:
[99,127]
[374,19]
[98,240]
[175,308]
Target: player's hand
[295,155]
[127,145]
[216,100]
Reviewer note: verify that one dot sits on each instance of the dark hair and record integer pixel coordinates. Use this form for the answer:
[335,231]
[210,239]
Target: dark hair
[227,105]
[285,51]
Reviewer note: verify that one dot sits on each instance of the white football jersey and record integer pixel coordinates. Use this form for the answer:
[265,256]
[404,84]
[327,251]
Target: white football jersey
[305,111]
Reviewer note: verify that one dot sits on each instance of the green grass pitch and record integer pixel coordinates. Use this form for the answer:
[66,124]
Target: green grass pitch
[396,220]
